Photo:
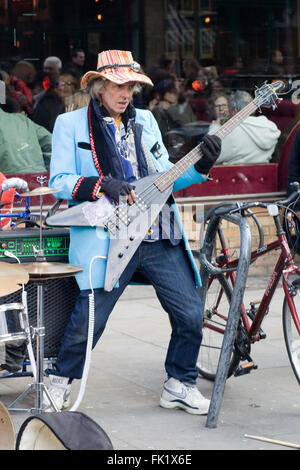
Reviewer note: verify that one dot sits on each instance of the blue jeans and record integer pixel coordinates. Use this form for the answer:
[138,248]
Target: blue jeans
[167,268]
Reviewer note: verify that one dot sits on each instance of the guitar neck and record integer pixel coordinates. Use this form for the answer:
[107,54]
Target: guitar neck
[169,177]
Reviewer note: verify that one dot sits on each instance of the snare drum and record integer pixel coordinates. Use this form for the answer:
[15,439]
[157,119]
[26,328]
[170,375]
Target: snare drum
[13,324]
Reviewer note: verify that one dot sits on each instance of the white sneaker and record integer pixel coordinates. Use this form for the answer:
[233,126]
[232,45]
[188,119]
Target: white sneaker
[176,394]
[59,390]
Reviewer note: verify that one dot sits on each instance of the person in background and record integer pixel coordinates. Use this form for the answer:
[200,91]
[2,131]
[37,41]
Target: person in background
[25,71]
[190,69]
[251,142]
[168,99]
[47,78]
[275,66]
[51,103]
[76,101]
[172,110]
[16,86]
[52,66]
[66,85]
[100,151]
[220,108]
[25,146]
[77,62]
[162,70]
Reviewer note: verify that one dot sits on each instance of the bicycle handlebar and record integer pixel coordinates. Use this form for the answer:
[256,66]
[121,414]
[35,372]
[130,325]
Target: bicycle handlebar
[237,207]
[17,183]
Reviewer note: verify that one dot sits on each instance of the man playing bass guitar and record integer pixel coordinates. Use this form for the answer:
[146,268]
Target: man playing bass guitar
[103,150]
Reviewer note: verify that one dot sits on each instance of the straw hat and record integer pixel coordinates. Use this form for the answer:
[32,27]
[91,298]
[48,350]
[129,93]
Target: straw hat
[118,67]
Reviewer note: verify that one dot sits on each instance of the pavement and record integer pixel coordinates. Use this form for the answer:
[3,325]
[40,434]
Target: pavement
[127,373]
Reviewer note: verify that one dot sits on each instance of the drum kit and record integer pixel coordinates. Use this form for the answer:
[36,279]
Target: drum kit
[14,324]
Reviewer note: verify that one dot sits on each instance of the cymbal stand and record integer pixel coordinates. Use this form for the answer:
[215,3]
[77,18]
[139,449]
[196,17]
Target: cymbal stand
[38,386]
[39,254]
[39,331]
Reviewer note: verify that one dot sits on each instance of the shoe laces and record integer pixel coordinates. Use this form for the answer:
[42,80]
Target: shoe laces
[194,394]
[58,393]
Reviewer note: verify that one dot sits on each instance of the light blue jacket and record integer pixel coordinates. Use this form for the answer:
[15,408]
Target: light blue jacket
[70,162]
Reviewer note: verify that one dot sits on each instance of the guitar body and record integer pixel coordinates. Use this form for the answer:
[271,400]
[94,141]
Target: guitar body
[125,241]
[127,225]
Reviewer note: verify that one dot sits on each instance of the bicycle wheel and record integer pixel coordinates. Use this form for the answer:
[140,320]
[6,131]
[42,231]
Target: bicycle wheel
[291,335]
[216,308]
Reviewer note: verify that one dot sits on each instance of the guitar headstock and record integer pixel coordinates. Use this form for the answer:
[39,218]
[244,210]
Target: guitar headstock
[267,95]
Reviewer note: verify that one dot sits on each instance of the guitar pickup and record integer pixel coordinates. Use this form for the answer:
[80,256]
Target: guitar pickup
[121,215]
[111,227]
[141,204]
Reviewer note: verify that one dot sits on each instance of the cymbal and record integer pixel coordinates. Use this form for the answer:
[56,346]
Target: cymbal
[11,278]
[48,270]
[7,431]
[40,191]
[9,287]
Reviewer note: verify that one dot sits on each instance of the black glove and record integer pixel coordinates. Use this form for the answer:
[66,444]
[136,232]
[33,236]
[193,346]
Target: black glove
[211,149]
[115,188]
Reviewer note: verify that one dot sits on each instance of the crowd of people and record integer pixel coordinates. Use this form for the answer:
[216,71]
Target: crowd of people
[177,98]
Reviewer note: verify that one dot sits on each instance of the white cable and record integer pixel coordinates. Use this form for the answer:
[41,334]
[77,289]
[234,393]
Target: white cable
[29,343]
[90,337]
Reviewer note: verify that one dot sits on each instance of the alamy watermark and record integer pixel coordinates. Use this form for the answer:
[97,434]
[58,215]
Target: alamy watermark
[2,92]
[295,97]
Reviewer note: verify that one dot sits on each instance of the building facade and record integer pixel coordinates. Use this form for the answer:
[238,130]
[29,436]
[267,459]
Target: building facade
[224,33]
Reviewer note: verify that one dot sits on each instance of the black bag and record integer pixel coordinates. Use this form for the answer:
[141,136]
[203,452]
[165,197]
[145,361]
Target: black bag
[66,430]
[291,226]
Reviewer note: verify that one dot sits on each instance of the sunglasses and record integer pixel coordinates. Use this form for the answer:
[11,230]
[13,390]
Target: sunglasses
[65,83]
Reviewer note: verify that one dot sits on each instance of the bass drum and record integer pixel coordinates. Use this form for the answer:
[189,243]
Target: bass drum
[13,325]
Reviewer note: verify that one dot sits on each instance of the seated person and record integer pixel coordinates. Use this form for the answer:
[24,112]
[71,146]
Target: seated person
[253,141]
[172,111]
[12,356]
[25,146]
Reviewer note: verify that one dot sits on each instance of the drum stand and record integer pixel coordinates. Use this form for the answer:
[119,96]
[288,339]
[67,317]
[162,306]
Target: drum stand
[40,271]
[38,387]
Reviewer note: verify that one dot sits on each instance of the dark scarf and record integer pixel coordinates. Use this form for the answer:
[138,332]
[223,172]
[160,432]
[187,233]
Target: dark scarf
[106,154]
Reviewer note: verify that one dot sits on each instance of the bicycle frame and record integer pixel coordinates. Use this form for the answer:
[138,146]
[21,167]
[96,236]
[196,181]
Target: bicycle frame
[284,267]
[25,214]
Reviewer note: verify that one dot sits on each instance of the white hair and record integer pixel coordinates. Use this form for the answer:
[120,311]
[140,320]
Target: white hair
[55,60]
[240,99]
[98,83]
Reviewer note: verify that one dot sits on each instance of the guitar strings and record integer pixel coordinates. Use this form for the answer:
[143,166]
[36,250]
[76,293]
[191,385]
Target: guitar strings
[163,181]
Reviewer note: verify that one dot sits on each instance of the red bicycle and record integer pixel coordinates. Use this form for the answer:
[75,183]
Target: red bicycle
[223,285]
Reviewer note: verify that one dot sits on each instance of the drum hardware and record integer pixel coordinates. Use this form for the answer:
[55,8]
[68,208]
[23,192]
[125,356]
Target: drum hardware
[39,272]
[13,323]
[11,278]
[7,430]
[42,191]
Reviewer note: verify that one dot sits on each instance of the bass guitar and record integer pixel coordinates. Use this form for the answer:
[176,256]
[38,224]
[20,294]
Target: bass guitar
[128,224]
